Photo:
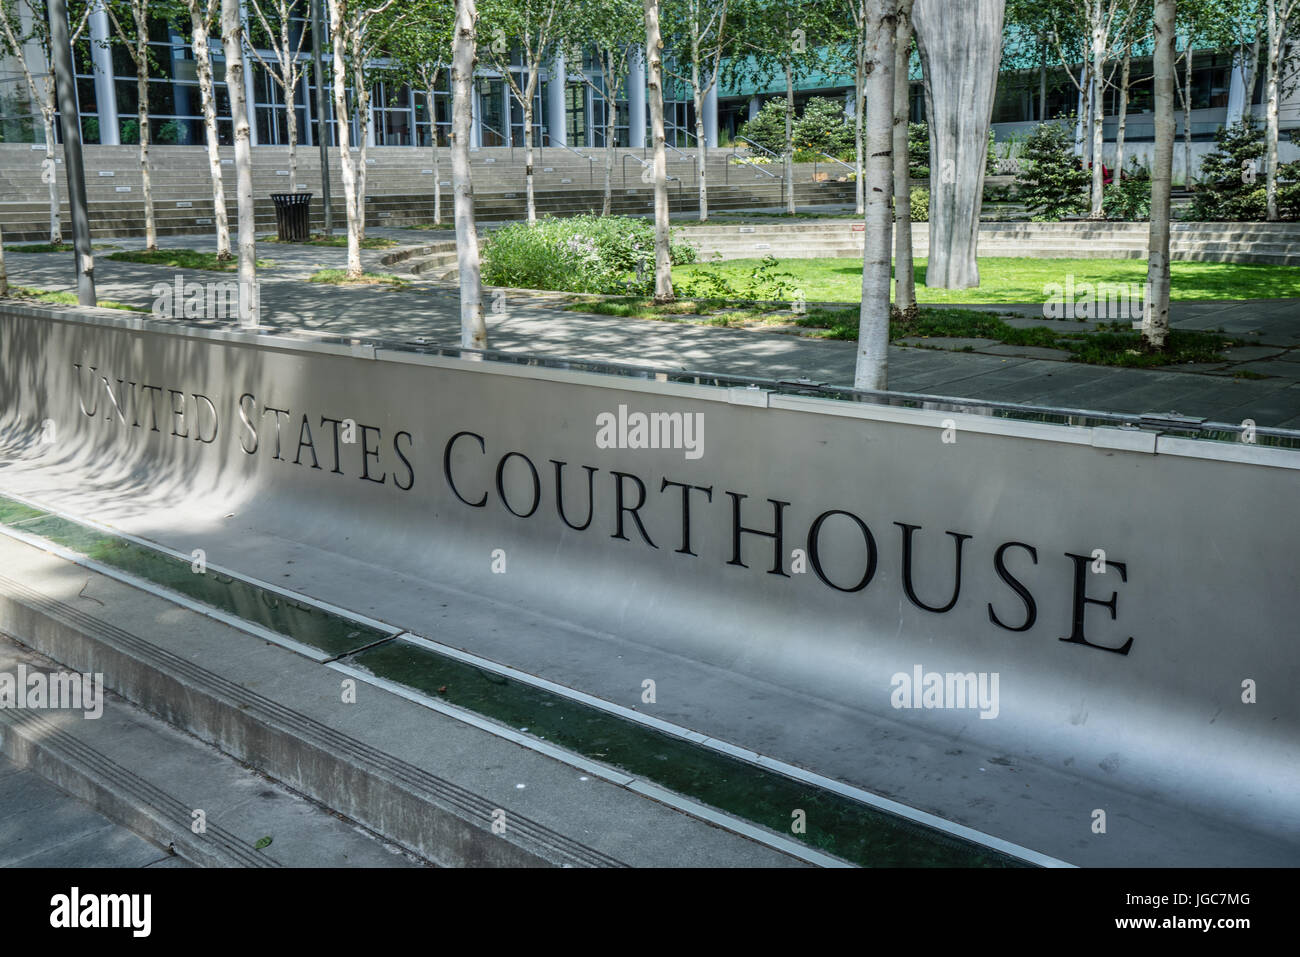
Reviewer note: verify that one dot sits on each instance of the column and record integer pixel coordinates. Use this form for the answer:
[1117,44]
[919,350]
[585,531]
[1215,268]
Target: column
[711,117]
[1238,97]
[557,125]
[636,114]
[755,105]
[250,64]
[105,93]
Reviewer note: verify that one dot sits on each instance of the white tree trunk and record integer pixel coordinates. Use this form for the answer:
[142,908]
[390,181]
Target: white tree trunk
[142,115]
[203,66]
[698,95]
[789,137]
[56,229]
[655,96]
[4,273]
[473,329]
[291,124]
[1189,175]
[344,133]
[232,31]
[871,370]
[1277,33]
[961,50]
[1126,74]
[1098,109]
[859,105]
[528,148]
[1155,324]
[904,268]
[611,118]
[433,143]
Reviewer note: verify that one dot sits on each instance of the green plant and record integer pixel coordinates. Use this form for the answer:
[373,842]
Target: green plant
[767,129]
[918,150]
[1051,181]
[1232,177]
[920,202]
[763,283]
[822,128]
[1129,198]
[603,254]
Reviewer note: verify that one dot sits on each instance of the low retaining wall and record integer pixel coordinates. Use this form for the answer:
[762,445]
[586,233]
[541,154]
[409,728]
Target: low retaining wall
[843,550]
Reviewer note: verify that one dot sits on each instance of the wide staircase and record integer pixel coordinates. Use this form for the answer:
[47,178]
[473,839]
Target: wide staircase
[399,189]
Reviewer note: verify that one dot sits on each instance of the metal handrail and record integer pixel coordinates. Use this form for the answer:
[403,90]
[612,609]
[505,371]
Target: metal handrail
[667,176]
[761,147]
[500,136]
[591,160]
[735,154]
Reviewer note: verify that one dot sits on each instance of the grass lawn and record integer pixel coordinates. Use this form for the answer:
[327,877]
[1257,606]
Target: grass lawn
[183,259]
[1023,280]
[337,241]
[64,298]
[338,277]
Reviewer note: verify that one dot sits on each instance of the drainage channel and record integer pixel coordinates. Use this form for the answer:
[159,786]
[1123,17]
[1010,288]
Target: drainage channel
[729,786]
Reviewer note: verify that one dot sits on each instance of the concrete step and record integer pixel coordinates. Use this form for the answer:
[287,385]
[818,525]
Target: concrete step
[429,781]
[183,795]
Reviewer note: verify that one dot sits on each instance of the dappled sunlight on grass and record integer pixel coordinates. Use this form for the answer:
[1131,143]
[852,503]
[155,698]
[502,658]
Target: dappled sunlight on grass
[1024,280]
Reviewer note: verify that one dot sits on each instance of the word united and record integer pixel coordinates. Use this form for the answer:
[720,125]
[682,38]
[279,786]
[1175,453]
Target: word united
[56,691]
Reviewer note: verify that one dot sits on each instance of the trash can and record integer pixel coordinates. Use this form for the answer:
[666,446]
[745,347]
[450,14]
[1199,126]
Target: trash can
[292,216]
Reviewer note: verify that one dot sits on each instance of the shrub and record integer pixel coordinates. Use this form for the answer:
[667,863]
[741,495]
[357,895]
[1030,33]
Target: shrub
[1052,183]
[822,127]
[579,254]
[920,204]
[918,150]
[1227,193]
[1129,198]
[767,129]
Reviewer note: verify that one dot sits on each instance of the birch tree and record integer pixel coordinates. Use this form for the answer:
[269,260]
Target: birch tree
[961,48]
[614,29]
[232,34]
[357,28]
[782,37]
[654,45]
[1281,17]
[421,50]
[857,13]
[904,267]
[203,13]
[697,28]
[24,26]
[130,21]
[531,27]
[873,319]
[287,71]
[473,329]
[1155,319]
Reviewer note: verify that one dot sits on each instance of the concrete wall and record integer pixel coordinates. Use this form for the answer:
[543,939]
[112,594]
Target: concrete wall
[1200,538]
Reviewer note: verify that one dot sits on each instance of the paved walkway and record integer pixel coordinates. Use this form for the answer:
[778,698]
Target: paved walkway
[426,312]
